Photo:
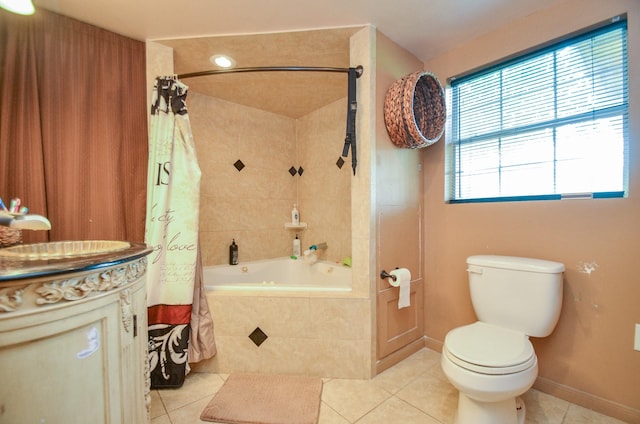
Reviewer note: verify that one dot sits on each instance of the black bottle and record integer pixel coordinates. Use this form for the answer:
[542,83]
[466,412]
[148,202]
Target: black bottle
[233,253]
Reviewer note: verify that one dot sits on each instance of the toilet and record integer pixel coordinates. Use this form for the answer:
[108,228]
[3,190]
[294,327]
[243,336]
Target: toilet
[491,362]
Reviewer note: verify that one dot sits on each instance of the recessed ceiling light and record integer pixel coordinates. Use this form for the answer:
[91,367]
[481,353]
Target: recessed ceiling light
[23,7]
[223,61]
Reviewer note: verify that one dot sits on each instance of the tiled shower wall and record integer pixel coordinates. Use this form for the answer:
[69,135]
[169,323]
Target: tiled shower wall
[247,158]
[324,189]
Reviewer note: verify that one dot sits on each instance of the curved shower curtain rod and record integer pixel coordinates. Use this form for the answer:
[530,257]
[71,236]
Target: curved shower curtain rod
[353,74]
[359,70]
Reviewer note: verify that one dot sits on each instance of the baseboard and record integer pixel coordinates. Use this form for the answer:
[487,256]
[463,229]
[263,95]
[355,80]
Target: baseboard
[433,344]
[400,354]
[586,400]
[575,396]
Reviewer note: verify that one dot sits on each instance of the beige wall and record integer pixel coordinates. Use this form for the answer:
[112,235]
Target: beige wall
[590,356]
[398,173]
[398,194]
[159,62]
[252,205]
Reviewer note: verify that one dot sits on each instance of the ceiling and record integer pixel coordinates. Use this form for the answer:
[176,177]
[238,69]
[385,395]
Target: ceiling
[292,94]
[288,33]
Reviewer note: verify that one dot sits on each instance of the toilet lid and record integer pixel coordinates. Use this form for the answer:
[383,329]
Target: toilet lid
[489,349]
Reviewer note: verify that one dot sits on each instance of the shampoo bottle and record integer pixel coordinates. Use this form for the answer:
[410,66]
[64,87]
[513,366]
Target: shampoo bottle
[295,216]
[233,253]
[296,247]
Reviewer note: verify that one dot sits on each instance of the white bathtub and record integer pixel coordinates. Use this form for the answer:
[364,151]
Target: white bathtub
[281,274]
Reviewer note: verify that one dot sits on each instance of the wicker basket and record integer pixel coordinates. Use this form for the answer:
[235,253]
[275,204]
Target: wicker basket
[415,110]
[9,236]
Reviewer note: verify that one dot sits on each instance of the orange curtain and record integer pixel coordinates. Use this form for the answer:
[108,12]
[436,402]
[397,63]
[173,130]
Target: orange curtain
[73,126]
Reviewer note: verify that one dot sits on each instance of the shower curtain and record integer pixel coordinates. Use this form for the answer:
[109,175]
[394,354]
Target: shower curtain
[174,277]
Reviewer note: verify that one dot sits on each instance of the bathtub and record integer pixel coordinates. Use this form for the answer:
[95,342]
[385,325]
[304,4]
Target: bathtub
[280,274]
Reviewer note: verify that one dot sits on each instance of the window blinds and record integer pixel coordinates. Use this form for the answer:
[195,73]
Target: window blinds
[548,123]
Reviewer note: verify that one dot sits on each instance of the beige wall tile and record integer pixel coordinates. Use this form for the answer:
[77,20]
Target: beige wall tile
[317,336]
[254,204]
[339,319]
[276,316]
[340,358]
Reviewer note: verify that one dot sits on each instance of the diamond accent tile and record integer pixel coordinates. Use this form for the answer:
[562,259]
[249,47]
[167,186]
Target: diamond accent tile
[239,165]
[340,162]
[300,171]
[258,336]
[293,171]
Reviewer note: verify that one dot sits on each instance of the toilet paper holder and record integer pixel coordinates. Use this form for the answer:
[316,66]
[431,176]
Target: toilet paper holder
[384,275]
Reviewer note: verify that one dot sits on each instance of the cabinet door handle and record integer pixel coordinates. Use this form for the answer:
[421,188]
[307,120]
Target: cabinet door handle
[135,325]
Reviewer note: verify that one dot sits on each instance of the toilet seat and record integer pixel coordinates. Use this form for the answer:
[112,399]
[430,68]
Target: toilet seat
[489,349]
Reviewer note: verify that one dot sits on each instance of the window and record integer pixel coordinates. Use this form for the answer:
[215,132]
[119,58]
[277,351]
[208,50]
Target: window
[545,125]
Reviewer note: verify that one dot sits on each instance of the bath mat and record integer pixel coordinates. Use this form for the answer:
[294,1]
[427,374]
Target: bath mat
[266,399]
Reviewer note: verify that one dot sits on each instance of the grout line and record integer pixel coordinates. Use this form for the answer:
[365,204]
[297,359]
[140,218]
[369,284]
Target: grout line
[431,371]
[164,407]
[415,407]
[327,406]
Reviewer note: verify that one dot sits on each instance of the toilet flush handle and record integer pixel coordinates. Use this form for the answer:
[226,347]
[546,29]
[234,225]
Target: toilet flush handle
[474,270]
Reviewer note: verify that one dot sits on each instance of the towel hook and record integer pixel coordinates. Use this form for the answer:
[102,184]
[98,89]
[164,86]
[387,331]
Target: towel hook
[384,275]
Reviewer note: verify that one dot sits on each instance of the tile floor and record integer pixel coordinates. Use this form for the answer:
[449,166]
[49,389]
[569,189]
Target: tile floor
[413,391]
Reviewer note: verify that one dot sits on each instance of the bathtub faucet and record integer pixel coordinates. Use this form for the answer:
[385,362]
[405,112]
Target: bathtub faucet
[310,256]
[319,246]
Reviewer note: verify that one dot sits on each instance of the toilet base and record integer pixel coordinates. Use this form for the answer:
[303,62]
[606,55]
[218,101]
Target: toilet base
[471,411]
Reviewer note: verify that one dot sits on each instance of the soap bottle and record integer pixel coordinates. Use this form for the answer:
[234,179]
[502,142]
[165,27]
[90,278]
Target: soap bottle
[233,253]
[296,247]
[295,216]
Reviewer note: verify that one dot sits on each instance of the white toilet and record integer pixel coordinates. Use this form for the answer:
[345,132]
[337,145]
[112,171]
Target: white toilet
[492,361]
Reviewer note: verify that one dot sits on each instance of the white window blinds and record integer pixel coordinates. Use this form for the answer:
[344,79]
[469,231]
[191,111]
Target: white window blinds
[549,123]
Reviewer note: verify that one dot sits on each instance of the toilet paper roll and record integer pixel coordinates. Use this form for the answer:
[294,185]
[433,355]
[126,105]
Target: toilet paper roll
[403,280]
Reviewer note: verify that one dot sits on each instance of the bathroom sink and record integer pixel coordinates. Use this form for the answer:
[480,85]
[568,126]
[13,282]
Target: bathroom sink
[63,249]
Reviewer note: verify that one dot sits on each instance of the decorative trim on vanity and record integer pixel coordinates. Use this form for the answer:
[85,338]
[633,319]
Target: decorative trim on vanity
[51,292]
[147,380]
[10,298]
[126,309]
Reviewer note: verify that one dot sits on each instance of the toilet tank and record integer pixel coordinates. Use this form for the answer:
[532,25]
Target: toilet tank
[522,294]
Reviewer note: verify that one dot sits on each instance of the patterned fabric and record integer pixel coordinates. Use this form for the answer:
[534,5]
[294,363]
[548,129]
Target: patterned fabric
[168,344]
[173,198]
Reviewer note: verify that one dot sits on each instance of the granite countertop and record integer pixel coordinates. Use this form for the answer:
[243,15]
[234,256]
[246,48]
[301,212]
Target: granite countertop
[16,269]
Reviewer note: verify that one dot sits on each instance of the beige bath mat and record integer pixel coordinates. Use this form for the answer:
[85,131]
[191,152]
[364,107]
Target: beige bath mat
[266,399]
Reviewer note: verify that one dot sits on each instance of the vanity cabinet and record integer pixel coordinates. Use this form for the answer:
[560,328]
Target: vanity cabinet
[73,347]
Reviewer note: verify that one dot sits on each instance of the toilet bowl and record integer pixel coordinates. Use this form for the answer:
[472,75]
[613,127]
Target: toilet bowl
[491,362]
[490,366]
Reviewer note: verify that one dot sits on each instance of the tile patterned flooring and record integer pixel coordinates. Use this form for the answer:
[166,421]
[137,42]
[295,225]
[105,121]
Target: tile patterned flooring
[415,391]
